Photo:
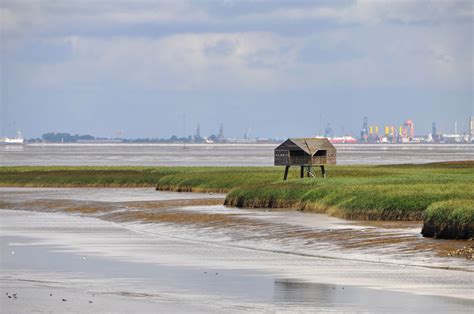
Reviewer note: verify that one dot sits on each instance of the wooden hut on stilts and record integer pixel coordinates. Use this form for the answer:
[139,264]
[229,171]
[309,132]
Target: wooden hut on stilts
[306,153]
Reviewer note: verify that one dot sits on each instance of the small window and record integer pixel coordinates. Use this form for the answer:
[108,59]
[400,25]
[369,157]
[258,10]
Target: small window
[297,153]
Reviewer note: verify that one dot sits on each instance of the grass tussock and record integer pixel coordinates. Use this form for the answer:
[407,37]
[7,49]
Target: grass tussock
[452,219]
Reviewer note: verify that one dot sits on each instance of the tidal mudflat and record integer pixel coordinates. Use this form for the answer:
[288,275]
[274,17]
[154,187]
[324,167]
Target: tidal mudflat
[144,250]
[217,154]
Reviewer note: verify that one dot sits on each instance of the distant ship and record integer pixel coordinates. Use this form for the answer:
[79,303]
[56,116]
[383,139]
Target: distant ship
[340,140]
[18,140]
[343,140]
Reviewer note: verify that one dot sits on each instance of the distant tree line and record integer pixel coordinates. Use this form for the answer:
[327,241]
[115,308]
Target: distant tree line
[65,137]
[172,139]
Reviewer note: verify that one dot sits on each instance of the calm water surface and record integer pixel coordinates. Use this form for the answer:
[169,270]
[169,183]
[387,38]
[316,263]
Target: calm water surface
[215,155]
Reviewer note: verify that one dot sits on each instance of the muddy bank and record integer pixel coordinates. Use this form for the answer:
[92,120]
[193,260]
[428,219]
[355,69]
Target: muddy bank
[452,219]
[240,225]
[190,189]
[95,207]
[459,225]
[443,230]
[467,252]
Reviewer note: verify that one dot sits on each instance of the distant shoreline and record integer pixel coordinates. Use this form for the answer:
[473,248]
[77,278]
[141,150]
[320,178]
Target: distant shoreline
[118,143]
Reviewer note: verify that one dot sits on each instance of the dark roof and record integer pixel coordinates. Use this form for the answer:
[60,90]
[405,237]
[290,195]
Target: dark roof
[309,145]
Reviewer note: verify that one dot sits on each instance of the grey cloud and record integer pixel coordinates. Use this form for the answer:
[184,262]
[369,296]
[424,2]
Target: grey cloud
[221,48]
[42,52]
[267,58]
[161,18]
[320,51]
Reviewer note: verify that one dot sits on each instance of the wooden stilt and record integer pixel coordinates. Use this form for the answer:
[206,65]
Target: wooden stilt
[286,172]
[323,171]
[302,172]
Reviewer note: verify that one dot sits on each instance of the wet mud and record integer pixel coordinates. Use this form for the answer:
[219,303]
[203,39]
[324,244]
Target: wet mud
[397,238]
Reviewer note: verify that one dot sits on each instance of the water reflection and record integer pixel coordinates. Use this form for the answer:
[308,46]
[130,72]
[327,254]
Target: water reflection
[354,299]
[291,291]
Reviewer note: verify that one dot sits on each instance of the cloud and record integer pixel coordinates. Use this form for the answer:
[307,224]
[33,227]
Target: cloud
[8,20]
[180,45]
[370,12]
[161,12]
[224,47]
[101,17]
[178,62]
[146,18]
[322,51]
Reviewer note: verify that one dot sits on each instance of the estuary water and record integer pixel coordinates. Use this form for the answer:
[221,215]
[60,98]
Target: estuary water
[216,154]
[120,250]
[140,250]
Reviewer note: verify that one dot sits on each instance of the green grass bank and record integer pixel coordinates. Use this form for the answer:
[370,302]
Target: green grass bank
[440,194]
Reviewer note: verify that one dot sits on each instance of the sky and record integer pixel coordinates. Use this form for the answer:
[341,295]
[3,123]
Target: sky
[281,68]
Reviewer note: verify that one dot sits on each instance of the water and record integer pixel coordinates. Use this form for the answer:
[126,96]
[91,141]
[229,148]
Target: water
[213,258]
[215,155]
[286,231]
[82,258]
[216,258]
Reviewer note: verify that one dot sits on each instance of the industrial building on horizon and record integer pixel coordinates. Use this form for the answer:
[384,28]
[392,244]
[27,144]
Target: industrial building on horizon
[406,134]
[370,134]
[402,134]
